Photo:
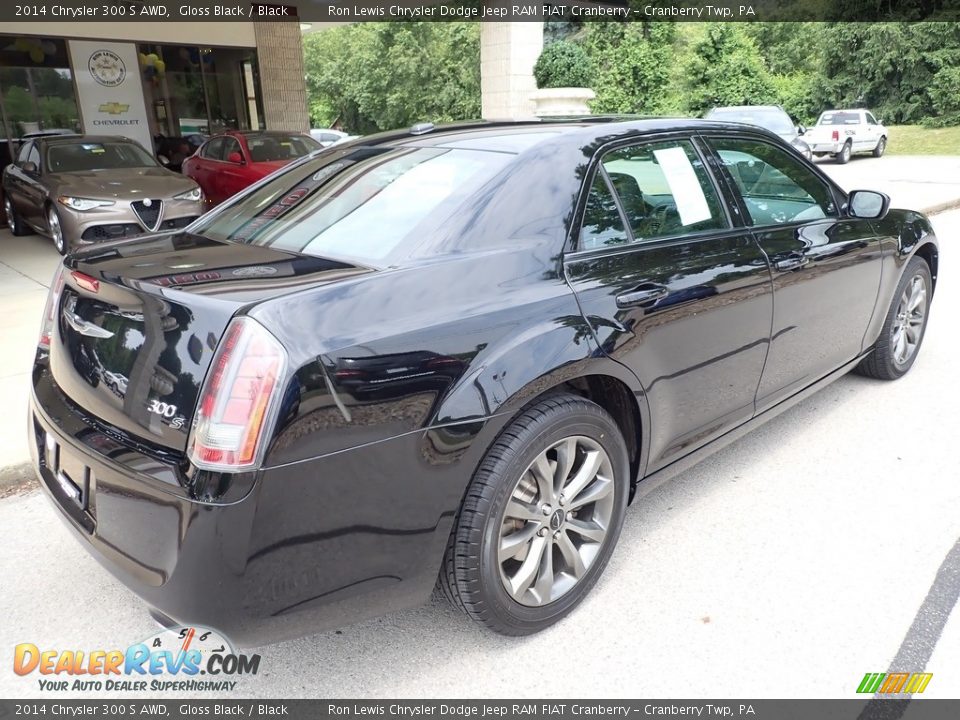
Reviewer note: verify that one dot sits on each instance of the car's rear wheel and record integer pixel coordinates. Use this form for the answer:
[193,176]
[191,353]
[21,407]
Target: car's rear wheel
[904,327]
[56,230]
[540,518]
[880,148]
[843,157]
[16,225]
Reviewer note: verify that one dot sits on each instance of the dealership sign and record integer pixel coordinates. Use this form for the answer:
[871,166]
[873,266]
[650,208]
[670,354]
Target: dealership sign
[109,90]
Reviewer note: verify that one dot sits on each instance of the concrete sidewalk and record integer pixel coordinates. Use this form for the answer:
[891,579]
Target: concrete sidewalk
[928,183]
[27,265]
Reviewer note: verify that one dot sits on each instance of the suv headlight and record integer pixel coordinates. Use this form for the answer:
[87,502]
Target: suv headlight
[195,195]
[82,204]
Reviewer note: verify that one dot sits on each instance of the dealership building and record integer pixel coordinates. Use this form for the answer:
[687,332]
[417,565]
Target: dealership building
[177,79]
[145,80]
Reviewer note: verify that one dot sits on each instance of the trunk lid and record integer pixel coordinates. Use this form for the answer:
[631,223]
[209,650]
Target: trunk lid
[137,323]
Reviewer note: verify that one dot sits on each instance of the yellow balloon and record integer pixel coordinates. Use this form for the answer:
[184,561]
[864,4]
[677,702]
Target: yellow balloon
[160,66]
[37,55]
[143,59]
[21,44]
[152,58]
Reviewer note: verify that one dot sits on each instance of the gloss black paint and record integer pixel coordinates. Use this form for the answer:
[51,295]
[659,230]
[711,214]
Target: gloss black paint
[401,376]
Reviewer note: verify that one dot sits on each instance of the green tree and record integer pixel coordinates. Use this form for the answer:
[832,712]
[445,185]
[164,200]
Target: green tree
[377,76]
[726,68]
[632,66]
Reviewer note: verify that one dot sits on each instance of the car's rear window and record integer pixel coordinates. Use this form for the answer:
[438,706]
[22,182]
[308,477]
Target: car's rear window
[268,148]
[772,119]
[839,118]
[364,206]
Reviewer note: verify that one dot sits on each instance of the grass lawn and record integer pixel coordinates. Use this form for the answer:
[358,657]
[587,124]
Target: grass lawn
[917,140]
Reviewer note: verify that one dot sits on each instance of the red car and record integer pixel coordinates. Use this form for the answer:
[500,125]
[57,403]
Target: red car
[226,164]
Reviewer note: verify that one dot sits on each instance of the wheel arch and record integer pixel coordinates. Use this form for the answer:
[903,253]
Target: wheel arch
[931,255]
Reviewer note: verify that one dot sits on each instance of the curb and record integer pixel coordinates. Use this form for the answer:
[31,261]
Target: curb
[942,207]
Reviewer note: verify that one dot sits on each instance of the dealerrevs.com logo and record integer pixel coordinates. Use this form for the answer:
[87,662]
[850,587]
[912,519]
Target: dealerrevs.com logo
[182,659]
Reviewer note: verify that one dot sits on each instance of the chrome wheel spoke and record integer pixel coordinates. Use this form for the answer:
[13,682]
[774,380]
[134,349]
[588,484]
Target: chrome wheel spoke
[597,490]
[527,573]
[566,457]
[587,472]
[588,530]
[543,587]
[571,556]
[543,473]
[522,511]
[512,544]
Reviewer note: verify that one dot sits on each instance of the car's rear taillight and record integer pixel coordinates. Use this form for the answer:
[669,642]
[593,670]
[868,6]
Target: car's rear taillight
[835,136]
[53,297]
[239,399]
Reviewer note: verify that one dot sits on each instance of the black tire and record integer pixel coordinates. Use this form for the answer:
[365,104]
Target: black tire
[881,147]
[882,362]
[16,225]
[471,573]
[843,157]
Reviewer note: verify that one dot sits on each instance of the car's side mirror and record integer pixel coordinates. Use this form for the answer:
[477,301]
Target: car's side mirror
[868,204]
[29,167]
[236,158]
[801,129]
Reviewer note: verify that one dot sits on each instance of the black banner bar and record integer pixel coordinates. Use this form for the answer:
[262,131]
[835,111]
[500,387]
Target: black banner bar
[118,707]
[340,11]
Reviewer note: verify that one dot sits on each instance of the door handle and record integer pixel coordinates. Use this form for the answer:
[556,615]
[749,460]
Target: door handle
[792,263]
[642,295]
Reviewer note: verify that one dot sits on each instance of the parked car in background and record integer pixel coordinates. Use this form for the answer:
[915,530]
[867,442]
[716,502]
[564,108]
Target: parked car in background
[226,164]
[8,153]
[79,189]
[452,354]
[770,117]
[328,136]
[843,133]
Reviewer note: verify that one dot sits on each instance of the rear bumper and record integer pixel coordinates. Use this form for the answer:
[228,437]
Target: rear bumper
[311,546]
[826,148]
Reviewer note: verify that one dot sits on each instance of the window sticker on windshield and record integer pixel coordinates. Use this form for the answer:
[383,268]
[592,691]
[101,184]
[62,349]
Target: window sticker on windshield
[682,179]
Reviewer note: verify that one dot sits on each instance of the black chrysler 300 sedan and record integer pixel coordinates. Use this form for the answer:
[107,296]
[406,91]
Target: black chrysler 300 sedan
[451,356]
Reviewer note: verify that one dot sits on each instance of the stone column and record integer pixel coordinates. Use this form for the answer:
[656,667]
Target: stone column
[508,51]
[282,85]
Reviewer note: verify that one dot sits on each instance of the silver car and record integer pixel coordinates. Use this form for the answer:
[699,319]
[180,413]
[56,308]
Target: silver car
[81,189]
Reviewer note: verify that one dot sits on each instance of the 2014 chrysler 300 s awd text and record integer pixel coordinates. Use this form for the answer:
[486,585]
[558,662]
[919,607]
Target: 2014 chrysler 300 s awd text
[452,356]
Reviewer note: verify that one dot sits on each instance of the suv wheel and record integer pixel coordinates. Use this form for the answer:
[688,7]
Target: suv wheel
[843,157]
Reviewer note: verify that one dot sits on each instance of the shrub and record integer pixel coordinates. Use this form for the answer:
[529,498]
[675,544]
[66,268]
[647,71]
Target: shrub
[563,64]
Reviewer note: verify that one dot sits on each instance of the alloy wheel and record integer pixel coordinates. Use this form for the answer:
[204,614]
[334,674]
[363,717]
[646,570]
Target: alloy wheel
[56,232]
[8,209]
[846,152]
[907,328]
[556,521]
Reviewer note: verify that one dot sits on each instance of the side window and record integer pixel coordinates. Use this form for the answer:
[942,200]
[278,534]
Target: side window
[664,189]
[602,223]
[776,187]
[871,120]
[24,152]
[213,149]
[230,145]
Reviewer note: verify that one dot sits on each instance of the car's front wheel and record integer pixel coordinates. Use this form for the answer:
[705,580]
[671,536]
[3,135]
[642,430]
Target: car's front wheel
[56,230]
[904,327]
[540,518]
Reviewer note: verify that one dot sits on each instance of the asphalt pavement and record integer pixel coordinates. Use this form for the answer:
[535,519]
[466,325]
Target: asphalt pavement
[820,547]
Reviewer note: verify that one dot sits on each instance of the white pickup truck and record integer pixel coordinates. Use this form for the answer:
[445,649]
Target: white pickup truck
[841,133]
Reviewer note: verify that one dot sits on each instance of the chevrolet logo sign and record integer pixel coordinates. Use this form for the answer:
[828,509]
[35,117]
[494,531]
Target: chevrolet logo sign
[113,108]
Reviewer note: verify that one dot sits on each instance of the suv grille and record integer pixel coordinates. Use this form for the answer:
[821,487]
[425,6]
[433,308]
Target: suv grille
[149,215]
